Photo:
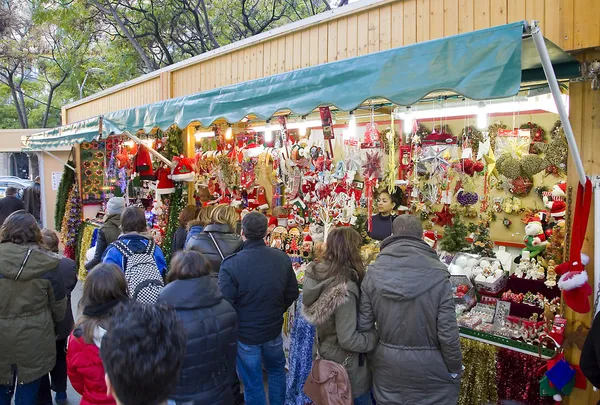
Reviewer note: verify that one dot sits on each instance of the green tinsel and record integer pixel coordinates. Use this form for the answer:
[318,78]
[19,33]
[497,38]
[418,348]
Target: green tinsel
[174,145]
[478,384]
[178,201]
[66,182]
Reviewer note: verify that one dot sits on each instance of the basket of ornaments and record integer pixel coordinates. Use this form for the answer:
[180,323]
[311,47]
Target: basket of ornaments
[464,263]
[489,277]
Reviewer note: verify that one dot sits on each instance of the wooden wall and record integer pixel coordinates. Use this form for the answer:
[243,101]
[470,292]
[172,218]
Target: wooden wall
[385,25]
[585,118]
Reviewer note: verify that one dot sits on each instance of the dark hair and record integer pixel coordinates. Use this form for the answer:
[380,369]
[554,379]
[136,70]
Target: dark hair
[133,219]
[142,352]
[188,264]
[104,284]
[342,254]
[20,228]
[187,214]
[50,240]
[11,191]
[255,225]
[396,197]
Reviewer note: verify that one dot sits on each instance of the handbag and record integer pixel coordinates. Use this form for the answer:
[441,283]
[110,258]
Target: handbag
[216,245]
[328,382]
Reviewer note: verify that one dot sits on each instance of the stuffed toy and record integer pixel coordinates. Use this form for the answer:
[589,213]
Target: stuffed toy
[535,239]
[555,201]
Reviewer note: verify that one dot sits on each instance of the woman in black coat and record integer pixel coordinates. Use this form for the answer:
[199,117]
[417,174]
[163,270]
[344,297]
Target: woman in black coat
[208,371]
[218,239]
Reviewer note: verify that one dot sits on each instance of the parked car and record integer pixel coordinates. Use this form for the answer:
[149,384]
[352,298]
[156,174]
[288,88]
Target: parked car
[16,182]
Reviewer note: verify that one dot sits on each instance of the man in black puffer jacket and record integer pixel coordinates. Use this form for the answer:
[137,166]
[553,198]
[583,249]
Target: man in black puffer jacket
[208,370]
[261,285]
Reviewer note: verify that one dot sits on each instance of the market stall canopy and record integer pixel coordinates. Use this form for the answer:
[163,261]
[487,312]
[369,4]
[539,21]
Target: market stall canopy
[67,135]
[480,65]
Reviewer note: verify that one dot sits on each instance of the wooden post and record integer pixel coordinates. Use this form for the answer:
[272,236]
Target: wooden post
[189,143]
[585,119]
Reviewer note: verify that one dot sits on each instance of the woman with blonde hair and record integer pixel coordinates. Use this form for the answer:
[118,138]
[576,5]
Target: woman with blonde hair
[196,226]
[218,239]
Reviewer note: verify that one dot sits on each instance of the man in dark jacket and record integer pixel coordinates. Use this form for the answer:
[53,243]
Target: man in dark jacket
[33,200]
[590,355]
[110,230]
[407,294]
[261,285]
[9,204]
[68,271]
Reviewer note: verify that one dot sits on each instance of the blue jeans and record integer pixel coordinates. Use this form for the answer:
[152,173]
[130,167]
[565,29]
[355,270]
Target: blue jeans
[25,394]
[364,399]
[250,360]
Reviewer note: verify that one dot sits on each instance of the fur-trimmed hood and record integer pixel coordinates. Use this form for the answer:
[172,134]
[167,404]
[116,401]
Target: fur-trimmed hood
[322,296]
[195,222]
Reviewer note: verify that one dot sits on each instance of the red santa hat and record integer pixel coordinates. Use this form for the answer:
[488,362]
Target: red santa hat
[261,199]
[184,169]
[574,285]
[164,184]
[559,189]
[430,238]
[308,238]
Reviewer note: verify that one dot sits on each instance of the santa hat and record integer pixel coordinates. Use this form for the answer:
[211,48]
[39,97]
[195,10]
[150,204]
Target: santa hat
[164,184]
[574,285]
[558,208]
[143,164]
[184,169]
[272,221]
[253,150]
[308,238]
[261,199]
[559,189]
[430,238]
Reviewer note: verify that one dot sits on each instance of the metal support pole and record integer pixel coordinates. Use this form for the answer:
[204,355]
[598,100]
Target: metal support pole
[538,39]
[151,150]
[59,159]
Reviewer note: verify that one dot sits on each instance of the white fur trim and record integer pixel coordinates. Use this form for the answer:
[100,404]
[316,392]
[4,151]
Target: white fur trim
[263,207]
[165,190]
[576,281]
[557,397]
[585,259]
[184,177]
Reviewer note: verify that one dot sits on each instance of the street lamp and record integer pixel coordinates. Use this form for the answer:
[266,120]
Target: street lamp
[89,71]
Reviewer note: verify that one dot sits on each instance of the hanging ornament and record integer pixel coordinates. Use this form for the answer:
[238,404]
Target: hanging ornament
[443,217]
[371,170]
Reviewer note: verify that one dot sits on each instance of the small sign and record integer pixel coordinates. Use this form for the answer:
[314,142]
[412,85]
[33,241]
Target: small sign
[56,176]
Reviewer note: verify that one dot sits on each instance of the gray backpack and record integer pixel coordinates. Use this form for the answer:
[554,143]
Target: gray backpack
[144,281]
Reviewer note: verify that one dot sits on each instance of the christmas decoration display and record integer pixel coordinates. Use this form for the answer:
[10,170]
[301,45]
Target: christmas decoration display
[454,239]
[478,383]
[177,202]
[71,222]
[92,155]
[67,181]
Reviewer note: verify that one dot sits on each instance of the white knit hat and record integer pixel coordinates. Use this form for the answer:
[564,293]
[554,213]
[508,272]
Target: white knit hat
[115,205]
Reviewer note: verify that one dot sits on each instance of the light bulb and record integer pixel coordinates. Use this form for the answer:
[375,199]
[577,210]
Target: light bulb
[351,125]
[407,119]
[482,116]
[268,132]
[302,127]
[229,133]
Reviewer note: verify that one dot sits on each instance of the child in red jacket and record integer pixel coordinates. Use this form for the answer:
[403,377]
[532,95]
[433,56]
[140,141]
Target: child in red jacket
[103,290]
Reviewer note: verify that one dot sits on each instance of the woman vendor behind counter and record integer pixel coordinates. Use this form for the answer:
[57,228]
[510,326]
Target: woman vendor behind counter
[388,205]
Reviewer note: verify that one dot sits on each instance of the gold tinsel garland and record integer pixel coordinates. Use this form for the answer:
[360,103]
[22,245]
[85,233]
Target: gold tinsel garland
[86,244]
[478,384]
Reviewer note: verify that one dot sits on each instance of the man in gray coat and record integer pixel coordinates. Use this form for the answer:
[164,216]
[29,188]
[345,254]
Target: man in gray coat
[407,294]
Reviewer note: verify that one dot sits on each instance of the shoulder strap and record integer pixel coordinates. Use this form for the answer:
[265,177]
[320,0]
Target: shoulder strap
[216,245]
[24,263]
[123,248]
[150,248]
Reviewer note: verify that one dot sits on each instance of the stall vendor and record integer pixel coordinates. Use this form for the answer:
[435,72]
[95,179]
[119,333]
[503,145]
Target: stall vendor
[388,205]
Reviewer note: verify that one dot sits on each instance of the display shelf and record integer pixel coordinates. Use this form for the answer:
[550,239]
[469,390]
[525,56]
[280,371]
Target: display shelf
[506,343]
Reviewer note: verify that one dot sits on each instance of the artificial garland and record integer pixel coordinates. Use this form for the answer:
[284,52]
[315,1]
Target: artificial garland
[177,202]
[473,135]
[84,241]
[478,383]
[64,187]
[493,131]
[71,222]
[174,144]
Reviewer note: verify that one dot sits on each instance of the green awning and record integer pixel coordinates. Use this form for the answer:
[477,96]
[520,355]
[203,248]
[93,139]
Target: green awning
[67,135]
[480,65]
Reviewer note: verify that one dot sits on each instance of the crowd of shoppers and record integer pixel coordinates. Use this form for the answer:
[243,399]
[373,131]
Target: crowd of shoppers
[219,317]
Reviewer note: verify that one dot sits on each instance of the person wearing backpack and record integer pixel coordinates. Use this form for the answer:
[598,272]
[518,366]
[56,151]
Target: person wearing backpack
[138,256]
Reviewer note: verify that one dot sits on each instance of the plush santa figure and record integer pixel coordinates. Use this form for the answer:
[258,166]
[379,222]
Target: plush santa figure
[535,239]
[164,184]
[556,201]
[184,169]
[143,164]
